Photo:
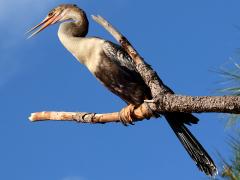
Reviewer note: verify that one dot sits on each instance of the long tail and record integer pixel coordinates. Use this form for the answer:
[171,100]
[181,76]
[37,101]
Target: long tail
[203,161]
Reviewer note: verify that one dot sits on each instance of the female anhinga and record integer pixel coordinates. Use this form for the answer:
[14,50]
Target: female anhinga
[114,68]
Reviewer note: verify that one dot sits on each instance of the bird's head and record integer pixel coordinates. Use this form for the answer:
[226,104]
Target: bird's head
[60,13]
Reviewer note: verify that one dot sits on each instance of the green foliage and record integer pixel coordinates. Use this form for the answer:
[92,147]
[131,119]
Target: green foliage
[231,170]
[231,79]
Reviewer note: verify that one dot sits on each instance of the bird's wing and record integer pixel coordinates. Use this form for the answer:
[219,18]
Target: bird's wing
[117,53]
[122,78]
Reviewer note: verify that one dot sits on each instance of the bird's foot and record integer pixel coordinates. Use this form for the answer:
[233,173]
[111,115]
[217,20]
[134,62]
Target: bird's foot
[125,115]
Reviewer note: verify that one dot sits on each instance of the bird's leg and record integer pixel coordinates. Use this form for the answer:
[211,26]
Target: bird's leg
[125,115]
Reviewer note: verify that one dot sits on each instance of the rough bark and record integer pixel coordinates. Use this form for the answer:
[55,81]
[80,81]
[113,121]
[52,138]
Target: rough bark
[197,104]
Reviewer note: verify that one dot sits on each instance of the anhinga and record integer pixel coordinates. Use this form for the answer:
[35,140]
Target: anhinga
[114,68]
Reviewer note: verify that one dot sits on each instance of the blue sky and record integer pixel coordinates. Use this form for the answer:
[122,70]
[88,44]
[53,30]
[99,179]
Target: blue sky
[183,41]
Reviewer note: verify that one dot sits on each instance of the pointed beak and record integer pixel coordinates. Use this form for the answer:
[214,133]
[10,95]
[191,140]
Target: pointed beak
[44,24]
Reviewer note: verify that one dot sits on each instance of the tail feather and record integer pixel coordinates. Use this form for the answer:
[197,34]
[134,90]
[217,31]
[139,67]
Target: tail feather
[196,151]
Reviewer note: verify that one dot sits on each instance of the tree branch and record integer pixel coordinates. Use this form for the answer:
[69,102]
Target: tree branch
[170,103]
[226,104]
[84,117]
[163,101]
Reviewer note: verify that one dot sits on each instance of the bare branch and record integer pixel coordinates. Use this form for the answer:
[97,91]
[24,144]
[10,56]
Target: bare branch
[138,114]
[164,100]
[170,103]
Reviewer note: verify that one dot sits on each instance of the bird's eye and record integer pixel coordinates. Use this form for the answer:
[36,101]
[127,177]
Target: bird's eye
[50,14]
[74,5]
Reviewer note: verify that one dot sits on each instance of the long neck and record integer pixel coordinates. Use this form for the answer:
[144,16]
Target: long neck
[72,34]
[77,28]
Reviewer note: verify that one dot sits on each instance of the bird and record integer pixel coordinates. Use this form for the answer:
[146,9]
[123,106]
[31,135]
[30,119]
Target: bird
[116,70]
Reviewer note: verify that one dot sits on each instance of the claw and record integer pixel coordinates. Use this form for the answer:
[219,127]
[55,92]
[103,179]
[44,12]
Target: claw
[125,115]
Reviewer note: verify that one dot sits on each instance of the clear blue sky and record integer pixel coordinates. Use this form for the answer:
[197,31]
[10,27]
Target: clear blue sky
[183,41]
